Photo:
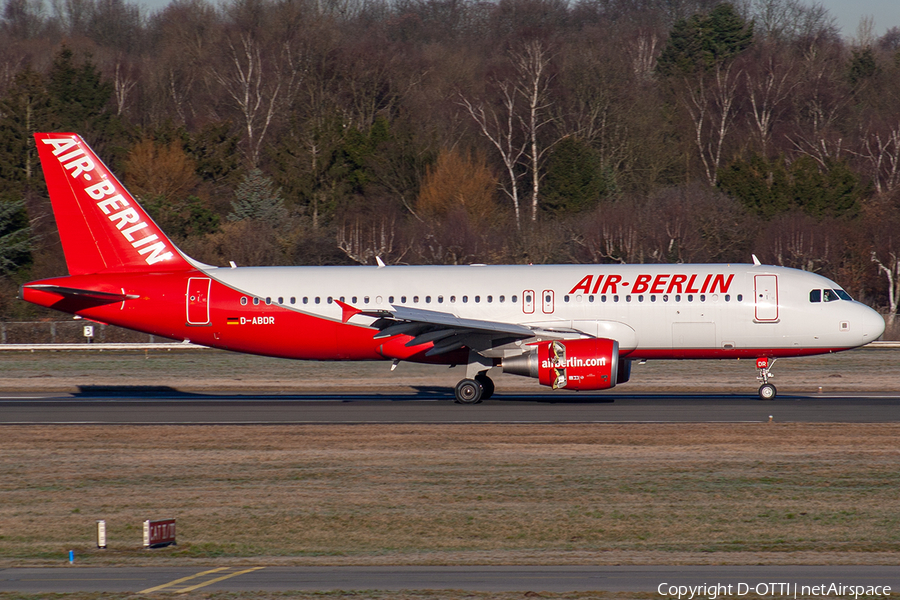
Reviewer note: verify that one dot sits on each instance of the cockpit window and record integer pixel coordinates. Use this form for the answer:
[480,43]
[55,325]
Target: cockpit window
[830,295]
[843,295]
[815,295]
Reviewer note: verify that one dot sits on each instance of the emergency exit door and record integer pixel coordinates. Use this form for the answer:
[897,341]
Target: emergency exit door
[766,288]
[198,301]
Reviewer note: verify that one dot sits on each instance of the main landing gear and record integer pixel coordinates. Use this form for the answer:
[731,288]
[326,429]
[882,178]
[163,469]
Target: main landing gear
[477,386]
[767,391]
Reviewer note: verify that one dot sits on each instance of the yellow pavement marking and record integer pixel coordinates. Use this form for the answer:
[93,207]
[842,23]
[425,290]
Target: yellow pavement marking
[183,579]
[217,579]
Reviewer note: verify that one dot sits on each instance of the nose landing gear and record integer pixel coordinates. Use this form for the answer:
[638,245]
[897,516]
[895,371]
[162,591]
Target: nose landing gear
[767,391]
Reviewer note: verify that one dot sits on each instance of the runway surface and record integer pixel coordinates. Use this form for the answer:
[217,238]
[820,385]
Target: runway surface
[776,581]
[121,405]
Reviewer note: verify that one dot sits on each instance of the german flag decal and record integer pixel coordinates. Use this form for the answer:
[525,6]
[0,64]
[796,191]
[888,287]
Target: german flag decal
[234,320]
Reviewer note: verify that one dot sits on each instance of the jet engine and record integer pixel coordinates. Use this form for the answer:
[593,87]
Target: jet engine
[583,364]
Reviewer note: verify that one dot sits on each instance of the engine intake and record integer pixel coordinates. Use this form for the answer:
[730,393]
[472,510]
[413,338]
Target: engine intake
[583,364]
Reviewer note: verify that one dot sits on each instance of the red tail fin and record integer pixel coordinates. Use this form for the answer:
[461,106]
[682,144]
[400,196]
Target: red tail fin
[101,226]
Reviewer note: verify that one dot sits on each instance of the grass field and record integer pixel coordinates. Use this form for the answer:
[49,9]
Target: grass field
[473,494]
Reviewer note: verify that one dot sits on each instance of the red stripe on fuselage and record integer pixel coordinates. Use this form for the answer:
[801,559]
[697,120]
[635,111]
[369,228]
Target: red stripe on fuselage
[264,329]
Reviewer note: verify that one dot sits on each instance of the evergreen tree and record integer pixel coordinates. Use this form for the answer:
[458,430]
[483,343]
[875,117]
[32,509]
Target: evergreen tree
[81,99]
[862,66]
[701,41]
[15,236]
[772,187]
[26,108]
[574,179]
[257,199]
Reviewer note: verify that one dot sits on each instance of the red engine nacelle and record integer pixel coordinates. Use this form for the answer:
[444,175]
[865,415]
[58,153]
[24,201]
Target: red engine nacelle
[584,364]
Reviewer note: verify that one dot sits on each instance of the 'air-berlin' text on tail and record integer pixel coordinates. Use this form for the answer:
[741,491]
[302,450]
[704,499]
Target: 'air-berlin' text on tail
[101,226]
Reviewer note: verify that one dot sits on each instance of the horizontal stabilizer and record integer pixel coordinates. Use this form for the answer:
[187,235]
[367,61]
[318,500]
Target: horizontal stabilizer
[79,293]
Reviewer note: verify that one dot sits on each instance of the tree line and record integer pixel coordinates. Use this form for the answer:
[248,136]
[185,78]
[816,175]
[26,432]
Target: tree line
[460,131]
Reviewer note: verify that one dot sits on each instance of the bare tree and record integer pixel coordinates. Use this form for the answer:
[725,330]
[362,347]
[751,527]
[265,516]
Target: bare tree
[506,126]
[532,83]
[258,93]
[124,81]
[768,89]
[500,127]
[710,104]
[364,240]
[882,153]
[821,103]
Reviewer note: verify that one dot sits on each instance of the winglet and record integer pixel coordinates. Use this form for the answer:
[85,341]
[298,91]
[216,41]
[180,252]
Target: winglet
[347,311]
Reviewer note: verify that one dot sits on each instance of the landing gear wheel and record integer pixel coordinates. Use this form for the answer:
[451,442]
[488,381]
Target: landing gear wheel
[767,391]
[469,391]
[487,385]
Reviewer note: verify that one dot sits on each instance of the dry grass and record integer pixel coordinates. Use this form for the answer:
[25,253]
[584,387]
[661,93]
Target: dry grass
[473,494]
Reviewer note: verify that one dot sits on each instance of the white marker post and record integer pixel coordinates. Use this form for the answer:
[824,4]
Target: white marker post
[101,534]
[89,333]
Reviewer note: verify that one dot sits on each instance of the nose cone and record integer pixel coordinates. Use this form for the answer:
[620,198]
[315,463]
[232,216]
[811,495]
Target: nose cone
[871,324]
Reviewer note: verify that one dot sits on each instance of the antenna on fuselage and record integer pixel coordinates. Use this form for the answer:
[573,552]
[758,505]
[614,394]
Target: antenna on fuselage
[756,262]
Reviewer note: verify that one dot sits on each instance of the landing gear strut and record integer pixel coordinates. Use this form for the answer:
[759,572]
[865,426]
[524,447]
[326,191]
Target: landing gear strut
[767,391]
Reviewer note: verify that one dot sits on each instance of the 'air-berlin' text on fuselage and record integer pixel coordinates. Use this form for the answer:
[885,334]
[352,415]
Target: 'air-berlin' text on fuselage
[664,283]
[110,201]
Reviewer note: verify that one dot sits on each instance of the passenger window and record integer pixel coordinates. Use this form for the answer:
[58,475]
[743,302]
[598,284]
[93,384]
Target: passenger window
[740,297]
[293,300]
[366,299]
[652,297]
[815,295]
[280,300]
[329,300]
[677,297]
[514,299]
[727,297]
[591,298]
[305,300]
[702,297]
[502,298]
[415,299]
[354,299]
[440,299]
[690,297]
[318,300]
[402,299]
[428,299]
[566,298]
[477,298]
[465,299]
[628,298]
[641,298]
[603,298]
[452,299]
[256,302]
[390,299]
[616,298]
[243,300]
[490,298]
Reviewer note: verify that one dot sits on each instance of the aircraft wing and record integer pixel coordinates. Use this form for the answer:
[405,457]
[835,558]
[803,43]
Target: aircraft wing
[447,331]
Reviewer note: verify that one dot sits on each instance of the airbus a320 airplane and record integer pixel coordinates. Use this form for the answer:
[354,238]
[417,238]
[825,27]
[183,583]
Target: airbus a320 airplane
[574,327]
